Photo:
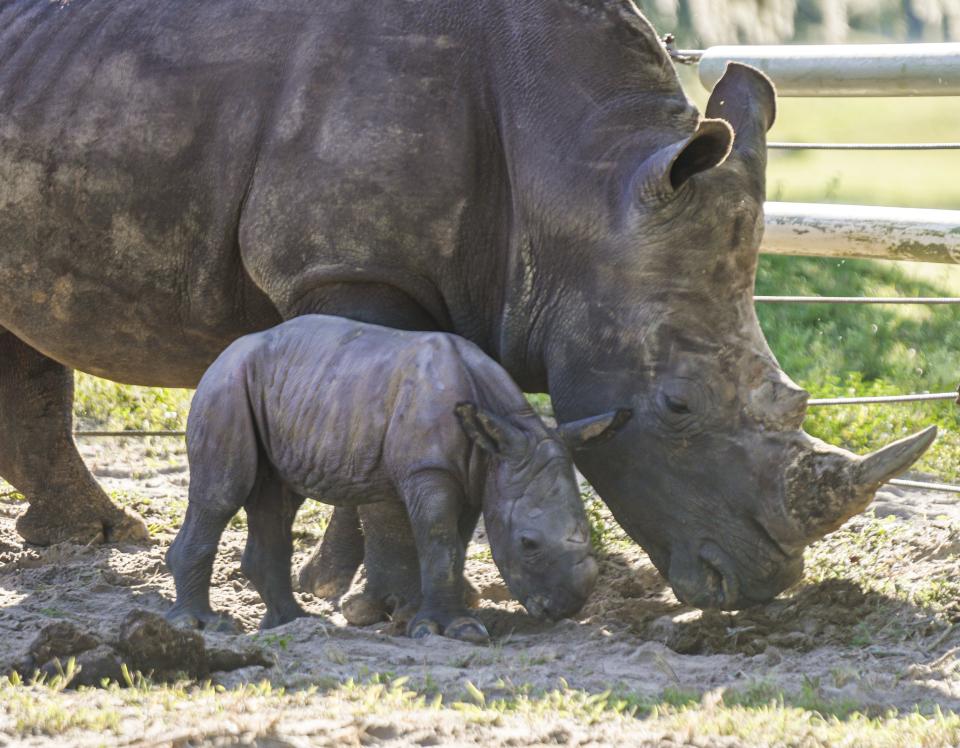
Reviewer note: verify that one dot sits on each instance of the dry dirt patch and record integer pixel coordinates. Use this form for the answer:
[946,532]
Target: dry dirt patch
[871,629]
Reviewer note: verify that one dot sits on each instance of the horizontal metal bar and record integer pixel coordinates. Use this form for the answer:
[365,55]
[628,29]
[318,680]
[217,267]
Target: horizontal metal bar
[814,402]
[855,300]
[845,69]
[924,485]
[872,232]
[864,146]
[134,434]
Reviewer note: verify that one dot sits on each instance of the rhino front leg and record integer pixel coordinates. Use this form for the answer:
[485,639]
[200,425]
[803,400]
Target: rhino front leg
[39,457]
[271,510]
[435,504]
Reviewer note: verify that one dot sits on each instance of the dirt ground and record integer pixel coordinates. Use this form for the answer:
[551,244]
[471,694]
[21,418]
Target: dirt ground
[872,627]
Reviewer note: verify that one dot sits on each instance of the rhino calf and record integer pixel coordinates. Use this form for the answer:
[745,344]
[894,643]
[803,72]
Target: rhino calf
[351,413]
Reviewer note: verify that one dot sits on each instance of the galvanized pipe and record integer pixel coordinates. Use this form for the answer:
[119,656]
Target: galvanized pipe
[845,69]
[873,400]
[876,233]
[776,145]
[856,300]
[924,485]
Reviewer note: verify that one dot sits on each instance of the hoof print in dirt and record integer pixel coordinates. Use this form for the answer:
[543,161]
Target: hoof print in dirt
[151,644]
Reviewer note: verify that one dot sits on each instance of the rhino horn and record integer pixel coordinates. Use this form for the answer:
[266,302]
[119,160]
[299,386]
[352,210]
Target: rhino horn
[880,466]
[827,485]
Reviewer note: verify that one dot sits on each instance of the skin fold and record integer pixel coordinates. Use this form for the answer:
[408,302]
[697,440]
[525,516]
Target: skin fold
[530,176]
[351,414]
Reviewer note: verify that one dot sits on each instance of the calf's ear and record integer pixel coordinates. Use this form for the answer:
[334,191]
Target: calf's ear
[589,432]
[487,430]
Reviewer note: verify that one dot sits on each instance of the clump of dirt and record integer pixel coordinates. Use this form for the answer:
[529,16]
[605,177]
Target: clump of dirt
[145,642]
[876,630]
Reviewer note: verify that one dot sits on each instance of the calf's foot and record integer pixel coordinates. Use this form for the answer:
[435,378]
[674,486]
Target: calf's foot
[451,624]
[201,620]
[277,617]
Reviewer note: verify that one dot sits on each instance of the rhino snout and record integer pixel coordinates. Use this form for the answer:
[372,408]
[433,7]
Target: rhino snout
[569,597]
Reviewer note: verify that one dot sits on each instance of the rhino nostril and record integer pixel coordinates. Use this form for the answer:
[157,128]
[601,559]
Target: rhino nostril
[722,576]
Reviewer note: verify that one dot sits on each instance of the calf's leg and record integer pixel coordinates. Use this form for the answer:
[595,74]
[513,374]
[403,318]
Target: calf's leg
[435,503]
[223,452]
[39,456]
[271,509]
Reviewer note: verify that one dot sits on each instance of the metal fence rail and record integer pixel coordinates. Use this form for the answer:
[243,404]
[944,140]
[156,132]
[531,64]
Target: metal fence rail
[862,231]
[864,146]
[844,69]
[935,300]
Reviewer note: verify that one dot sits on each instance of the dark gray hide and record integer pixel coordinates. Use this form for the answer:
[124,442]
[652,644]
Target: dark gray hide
[174,174]
[354,414]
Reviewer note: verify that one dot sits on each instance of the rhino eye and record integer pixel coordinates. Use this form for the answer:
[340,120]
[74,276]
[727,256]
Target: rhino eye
[676,405]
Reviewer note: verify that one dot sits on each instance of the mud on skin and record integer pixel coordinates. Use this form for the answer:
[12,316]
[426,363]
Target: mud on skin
[351,413]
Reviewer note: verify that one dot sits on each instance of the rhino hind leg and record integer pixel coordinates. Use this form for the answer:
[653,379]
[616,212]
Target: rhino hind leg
[330,570]
[271,509]
[39,457]
[392,585]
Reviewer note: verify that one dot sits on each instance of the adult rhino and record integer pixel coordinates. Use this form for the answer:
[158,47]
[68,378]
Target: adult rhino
[174,174]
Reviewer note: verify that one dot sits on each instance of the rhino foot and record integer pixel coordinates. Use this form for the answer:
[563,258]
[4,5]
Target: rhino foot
[460,626]
[205,620]
[275,618]
[46,523]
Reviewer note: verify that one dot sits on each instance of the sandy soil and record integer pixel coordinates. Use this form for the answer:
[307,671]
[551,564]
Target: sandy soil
[841,637]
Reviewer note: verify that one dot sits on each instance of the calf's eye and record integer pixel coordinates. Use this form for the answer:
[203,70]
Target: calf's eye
[529,543]
[676,405]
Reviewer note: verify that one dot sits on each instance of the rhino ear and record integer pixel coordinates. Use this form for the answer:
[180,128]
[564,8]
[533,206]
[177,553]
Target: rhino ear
[488,431]
[669,168]
[746,99]
[590,432]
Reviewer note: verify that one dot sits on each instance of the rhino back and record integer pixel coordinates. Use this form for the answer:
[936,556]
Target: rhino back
[125,148]
[344,410]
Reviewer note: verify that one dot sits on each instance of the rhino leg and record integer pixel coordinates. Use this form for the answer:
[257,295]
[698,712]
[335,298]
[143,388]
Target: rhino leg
[392,587]
[271,510]
[434,502]
[330,569]
[224,475]
[39,457]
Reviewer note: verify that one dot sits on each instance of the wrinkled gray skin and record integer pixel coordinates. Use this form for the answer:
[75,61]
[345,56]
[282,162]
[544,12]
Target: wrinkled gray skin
[354,414]
[526,174]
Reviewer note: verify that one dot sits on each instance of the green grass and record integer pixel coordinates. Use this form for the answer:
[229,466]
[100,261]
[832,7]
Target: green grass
[757,714]
[117,407]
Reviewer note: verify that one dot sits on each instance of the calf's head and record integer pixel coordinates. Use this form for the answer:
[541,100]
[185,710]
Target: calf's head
[534,516]
[713,475]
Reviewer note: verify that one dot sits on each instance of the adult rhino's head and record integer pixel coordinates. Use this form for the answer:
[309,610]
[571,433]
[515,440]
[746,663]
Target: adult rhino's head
[713,475]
